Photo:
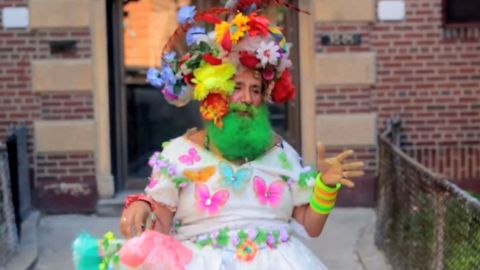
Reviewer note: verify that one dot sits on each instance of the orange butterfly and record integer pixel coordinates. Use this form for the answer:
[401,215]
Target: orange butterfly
[200,176]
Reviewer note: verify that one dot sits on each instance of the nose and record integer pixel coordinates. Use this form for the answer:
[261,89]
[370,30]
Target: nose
[246,96]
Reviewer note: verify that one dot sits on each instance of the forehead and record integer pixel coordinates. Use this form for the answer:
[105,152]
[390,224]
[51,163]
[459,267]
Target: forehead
[247,77]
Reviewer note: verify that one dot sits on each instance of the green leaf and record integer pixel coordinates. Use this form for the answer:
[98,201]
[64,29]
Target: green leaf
[179,180]
[242,235]
[261,236]
[284,162]
[223,238]
[284,178]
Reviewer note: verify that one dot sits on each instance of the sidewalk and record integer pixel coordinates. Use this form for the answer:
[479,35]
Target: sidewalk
[345,244]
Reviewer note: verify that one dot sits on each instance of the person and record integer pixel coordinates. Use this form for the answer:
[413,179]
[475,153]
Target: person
[235,193]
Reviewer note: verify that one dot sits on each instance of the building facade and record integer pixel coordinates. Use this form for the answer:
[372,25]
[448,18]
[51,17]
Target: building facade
[360,62]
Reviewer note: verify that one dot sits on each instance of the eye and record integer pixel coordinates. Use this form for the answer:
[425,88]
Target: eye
[256,90]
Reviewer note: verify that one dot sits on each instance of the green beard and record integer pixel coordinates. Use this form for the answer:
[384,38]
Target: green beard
[246,132]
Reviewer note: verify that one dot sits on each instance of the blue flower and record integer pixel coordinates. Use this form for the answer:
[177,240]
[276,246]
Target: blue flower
[169,57]
[153,77]
[185,14]
[193,34]
[168,75]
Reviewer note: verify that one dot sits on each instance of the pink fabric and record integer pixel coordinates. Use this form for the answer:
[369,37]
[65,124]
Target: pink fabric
[155,251]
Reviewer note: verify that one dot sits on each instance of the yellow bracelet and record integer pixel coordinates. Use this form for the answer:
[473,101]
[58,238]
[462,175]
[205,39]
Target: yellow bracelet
[324,197]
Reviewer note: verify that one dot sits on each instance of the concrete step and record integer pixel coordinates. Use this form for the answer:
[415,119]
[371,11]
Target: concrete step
[112,207]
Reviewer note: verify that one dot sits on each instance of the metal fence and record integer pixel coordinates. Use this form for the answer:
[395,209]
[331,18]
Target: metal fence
[424,220]
[8,231]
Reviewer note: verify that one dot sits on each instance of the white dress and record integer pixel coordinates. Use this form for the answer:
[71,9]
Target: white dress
[235,217]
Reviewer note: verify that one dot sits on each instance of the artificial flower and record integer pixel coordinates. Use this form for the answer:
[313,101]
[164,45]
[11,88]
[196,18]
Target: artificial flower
[239,27]
[169,57]
[186,14]
[193,34]
[268,53]
[213,108]
[213,79]
[284,90]
[258,25]
[212,60]
[220,30]
[168,75]
[246,251]
[248,60]
[153,77]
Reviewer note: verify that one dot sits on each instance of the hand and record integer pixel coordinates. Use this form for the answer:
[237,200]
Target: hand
[335,170]
[134,219]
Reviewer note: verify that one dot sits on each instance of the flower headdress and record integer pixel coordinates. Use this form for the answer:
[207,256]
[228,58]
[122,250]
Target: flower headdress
[205,73]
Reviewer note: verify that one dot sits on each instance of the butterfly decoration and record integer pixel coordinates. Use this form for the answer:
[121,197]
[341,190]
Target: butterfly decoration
[271,194]
[153,182]
[190,158]
[205,202]
[235,179]
[201,175]
[284,162]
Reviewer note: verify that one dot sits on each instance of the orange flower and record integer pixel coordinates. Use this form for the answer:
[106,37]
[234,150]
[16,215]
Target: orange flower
[247,251]
[214,107]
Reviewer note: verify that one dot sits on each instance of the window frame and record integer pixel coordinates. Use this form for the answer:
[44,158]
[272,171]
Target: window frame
[446,24]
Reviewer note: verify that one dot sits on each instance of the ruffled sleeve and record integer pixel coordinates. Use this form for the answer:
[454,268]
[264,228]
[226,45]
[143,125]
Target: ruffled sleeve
[303,177]
[163,185]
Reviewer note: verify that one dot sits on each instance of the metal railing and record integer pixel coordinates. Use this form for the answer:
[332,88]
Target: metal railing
[8,230]
[424,220]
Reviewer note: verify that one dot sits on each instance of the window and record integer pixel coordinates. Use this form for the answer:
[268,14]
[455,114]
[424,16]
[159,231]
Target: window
[461,13]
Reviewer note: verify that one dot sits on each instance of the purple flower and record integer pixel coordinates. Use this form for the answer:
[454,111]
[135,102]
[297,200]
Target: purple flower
[172,170]
[233,238]
[252,233]
[193,34]
[284,236]
[153,78]
[186,14]
[183,185]
[270,240]
[202,237]
[214,234]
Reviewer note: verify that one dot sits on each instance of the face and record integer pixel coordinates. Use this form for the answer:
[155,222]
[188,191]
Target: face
[248,89]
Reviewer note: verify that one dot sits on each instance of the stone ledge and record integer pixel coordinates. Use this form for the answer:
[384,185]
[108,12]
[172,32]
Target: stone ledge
[347,129]
[345,68]
[56,75]
[59,13]
[344,10]
[64,136]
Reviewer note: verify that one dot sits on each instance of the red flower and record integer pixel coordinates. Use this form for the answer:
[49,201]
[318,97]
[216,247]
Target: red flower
[212,60]
[248,60]
[213,108]
[284,90]
[258,25]
[188,79]
[227,42]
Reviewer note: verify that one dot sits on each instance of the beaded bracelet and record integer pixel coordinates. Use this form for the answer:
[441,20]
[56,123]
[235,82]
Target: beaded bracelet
[324,197]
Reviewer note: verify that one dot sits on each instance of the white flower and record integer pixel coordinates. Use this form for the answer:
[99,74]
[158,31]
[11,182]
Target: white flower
[268,53]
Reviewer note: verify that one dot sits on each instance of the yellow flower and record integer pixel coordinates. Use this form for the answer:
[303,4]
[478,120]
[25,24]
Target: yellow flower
[220,30]
[239,27]
[213,79]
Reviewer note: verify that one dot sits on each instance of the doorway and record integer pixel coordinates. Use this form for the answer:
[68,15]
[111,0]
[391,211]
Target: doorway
[140,118]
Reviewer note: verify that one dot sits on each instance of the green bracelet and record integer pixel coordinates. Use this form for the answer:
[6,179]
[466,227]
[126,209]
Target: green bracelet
[320,184]
[319,209]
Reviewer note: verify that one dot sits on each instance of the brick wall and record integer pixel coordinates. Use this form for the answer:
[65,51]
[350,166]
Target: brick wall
[424,75]
[20,105]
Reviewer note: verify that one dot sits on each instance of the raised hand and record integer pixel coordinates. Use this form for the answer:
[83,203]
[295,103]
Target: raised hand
[336,170]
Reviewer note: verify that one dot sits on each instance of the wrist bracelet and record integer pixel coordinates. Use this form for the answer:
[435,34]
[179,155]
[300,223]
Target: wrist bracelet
[139,197]
[323,197]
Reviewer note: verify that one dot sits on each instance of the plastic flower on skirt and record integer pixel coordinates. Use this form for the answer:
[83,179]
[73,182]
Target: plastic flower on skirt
[193,34]
[186,14]
[213,108]
[213,79]
[246,251]
[268,53]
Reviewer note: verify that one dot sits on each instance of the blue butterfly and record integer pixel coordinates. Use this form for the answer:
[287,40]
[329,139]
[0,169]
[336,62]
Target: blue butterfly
[236,180]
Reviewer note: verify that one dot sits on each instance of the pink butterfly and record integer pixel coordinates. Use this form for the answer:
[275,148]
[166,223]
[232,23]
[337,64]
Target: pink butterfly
[190,158]
[211,204]
[271,194]
[153,182]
